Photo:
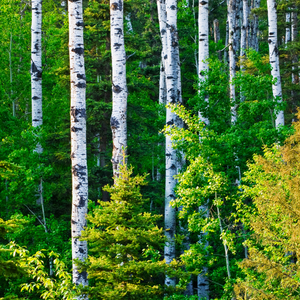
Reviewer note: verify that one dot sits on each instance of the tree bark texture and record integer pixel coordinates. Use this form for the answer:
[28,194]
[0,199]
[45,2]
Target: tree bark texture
[203,53]
[232,64]
[254,27]
[244,29]
[36,65]
[274,57]
[294,33]
[78,139]
[238,26]
[287,27]
[173,96]
[118,120]
[162,18]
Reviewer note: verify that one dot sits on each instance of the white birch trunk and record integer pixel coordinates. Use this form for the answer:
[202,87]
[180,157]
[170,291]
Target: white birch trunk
[254,27]
[287,28]
[203,27]
[36,66]
[78,139]
[162,18]
[232,64]
[173,95]
[244,31]
[237,27]
[203,54]
[294,33]
[118,120]
[274,57]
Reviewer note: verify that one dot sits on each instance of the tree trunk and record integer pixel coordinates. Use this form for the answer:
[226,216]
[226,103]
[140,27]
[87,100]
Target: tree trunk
[36,66]
[294,33]
[78,139]
[226,43]
[203,49]
[238,26]
[274,57]
[217,35]
[118,121]
[287,27]
[173,94]
[232,64]
[244,31]
[254,34]
[162,18]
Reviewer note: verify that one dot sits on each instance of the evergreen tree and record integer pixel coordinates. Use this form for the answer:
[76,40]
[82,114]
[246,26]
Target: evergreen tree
[126,245]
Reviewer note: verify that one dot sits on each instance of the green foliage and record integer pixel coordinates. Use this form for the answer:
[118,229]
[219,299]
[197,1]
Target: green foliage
[126,245]
[272,271]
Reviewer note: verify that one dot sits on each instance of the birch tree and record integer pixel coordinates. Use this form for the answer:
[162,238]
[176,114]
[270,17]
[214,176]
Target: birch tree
[232,64]
[118,120]
[36,66]
[173,94]
[162,18]
[287,26]
[78,139]
[274,57]
[294,33]
[244,31]
[203,55]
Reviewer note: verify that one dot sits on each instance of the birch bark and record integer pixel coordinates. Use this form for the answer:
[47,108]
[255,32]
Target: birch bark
[203,49]
[162,18]
[274,57]
[203,27]
[36,66]
[232,64]
[294,33]
[118,120]
[287,27]
[244,31]
[78,139]
[254,38]
[173,95]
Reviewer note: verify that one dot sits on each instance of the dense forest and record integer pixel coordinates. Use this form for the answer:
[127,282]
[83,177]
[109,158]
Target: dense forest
[149,149]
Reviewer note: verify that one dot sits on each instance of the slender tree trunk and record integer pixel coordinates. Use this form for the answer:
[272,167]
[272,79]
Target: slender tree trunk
[244,39]
[173,94]
[254,27]
[203,26]
[237,27]
[244,31]
[226,43]
[78,139]
[118,120]
[232,64]
[287,26]
[162,17]
[217,35]
[203,54]
[36,78]
[36,66]
[294,33]
[274,57]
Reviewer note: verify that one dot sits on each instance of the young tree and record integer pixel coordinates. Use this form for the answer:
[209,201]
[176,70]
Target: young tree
[126,244]
[118,121]
[274,58]
[78,140]
[272,183]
